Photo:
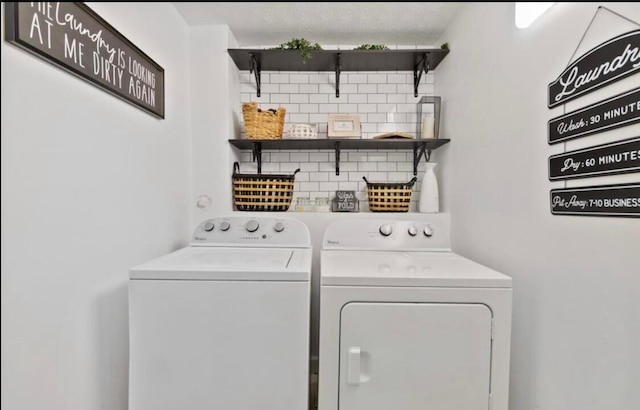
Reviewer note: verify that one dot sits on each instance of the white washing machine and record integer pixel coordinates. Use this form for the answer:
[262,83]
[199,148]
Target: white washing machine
[407,324]
[224,322]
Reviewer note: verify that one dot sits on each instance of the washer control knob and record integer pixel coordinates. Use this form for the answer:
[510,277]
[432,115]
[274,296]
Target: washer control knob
[428,231]
[252,225]
[208,226]
[385,229]
[224,226]
[278,227]
[413,231]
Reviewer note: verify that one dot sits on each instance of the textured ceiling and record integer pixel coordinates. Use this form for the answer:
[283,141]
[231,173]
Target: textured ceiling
[327,23]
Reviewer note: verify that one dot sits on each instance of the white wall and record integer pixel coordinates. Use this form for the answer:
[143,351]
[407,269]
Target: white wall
[576,323]
[91,186]
[216,107]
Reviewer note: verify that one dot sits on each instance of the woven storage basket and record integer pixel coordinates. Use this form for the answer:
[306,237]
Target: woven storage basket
[389,196]
[258,192]
[262,125]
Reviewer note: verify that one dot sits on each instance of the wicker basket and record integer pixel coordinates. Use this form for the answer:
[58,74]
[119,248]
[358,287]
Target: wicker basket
[257,192]
[389,196]
[262,125]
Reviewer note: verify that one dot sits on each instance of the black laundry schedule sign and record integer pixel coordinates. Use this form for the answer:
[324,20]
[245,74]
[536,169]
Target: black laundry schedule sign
[606,159]
[618,111]
[605,200]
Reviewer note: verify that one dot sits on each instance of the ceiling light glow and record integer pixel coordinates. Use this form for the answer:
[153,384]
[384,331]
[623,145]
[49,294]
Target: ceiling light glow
[527,13]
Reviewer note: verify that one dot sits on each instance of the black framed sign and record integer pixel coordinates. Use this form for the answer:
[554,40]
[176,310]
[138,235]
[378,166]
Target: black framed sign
[606,63]
[607,159]
[605,200]
[74,38]
[618,111]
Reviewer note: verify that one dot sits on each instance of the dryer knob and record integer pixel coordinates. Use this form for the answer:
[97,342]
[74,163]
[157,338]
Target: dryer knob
[208,226]
[278,227]
[385,229]
[428,231]
[413,231]
[252,225]
[224,226]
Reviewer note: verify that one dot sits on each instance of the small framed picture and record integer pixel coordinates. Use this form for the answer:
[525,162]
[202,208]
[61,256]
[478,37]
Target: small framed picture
[343,126]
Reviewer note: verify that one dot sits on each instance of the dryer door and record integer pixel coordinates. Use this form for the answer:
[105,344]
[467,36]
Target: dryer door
[415,356]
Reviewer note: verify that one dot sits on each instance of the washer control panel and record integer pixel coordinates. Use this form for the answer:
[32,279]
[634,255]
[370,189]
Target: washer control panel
[423,233]
[251,231]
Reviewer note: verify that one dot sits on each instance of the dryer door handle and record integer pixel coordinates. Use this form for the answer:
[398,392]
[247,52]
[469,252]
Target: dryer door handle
[353,366]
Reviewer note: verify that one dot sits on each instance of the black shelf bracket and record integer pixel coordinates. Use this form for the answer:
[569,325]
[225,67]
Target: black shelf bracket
[337,148]
[338,71]
[255,69]
[417,155]
[257,155]
[423,65]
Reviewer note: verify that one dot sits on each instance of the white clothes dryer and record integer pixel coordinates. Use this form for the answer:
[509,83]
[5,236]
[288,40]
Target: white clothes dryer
[405,323]
[224,323]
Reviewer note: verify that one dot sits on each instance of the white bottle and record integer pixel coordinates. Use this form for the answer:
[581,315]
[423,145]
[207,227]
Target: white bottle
[429,201]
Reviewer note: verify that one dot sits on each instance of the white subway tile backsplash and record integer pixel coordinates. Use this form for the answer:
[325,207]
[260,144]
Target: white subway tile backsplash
[367,166]
[376,98]
[373,108]
[348,108]
[326,89]
[277,157]
[367,88]
[348,89]
[319,157]
[356,176]
[299,78]
[387,88]
[357,98]
[344,176]
[397,157]
[387,166]
[297,117]
[356,78]
[348,166]
[319,98]
[309,186]
[309,108]
[376,117]
[384,101]
[300,157]
[309,88]
[319,176]
[300,98]
[376,78]
[358,156]
[279,98]
[282,78]
[319,78]
[396,78]
[290,88]
[328,108]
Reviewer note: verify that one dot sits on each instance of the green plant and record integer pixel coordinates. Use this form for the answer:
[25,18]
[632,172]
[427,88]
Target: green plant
[372,47]
[304,46]
[445,46]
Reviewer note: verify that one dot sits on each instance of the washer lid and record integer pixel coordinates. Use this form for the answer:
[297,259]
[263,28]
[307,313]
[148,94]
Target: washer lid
[234,264]
[425,269]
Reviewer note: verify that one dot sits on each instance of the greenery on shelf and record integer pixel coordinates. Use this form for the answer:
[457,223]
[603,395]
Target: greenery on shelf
[445,46]
[372,47]
[304,46]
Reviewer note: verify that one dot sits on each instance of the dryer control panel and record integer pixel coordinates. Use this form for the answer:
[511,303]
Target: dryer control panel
[428,234]
[248,231]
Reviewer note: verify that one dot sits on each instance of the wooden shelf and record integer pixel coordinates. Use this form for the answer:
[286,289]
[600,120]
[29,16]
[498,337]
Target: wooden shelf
[416,60]
[419,147]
